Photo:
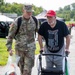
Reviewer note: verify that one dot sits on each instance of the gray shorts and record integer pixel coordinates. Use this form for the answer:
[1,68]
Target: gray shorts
[57,62]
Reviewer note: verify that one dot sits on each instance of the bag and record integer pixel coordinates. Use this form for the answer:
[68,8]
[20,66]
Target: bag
[19,23]
[11,67]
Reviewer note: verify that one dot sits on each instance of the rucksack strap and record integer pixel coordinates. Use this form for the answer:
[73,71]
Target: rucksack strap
[18,24]
[36,22]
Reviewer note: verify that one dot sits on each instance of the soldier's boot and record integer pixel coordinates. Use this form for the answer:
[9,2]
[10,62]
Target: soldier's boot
[25,72]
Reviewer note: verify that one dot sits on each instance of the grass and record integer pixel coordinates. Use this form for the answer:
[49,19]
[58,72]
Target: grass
[37,48]
[70,22]
[4,54]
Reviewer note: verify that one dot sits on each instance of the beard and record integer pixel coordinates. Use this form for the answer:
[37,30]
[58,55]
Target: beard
[51,23]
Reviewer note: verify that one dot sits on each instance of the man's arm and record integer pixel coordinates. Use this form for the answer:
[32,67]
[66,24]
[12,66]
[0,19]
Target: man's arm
[10,38]
[67,42]
[40,41]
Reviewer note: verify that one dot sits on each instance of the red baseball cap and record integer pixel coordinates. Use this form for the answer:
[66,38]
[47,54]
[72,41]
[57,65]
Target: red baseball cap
[51,13]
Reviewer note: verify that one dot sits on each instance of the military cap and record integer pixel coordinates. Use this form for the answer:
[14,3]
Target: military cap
[28,7]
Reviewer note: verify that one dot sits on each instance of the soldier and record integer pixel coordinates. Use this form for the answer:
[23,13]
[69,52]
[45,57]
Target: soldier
[24,40]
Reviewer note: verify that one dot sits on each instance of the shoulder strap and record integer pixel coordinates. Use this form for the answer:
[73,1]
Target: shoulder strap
[18,24]
[36,22]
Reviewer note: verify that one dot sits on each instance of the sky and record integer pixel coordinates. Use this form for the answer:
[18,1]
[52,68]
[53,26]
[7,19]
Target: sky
[46,4]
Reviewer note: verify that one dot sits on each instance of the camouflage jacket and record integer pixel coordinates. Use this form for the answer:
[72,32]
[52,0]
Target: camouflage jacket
[24,38]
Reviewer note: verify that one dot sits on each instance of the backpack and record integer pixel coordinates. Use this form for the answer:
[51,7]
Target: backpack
[19,24]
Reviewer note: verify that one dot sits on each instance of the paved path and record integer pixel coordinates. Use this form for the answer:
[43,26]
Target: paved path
[71,58]
[72,54]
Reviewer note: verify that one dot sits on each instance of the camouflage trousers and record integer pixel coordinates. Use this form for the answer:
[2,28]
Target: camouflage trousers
[26,61]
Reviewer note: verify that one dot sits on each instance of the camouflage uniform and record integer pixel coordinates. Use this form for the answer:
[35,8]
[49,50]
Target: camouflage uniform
[24,43]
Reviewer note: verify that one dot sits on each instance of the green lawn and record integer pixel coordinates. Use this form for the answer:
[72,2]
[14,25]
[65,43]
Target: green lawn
[69,22]
[4,53]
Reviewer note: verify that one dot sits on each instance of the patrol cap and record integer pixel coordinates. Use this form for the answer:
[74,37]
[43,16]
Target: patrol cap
[51,13]
[28,7]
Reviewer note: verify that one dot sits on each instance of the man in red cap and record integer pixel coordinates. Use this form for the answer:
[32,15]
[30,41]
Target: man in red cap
[54,31]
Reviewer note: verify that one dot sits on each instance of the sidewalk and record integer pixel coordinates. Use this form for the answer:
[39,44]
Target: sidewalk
[72,54]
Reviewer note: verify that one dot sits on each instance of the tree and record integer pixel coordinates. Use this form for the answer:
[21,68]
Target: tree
[60,10]
[74,18]
[72,13]
[37,10]
[67,7]
[1,2]
[73,5]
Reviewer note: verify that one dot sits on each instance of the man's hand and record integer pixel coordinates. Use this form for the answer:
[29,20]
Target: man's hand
[11,52]
[67,52]
[41,50]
